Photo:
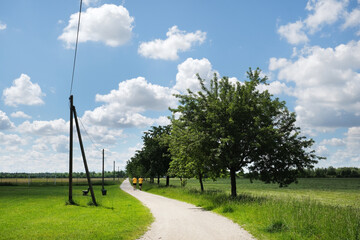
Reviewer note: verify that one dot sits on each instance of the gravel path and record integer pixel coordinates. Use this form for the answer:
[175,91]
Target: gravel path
[175,220]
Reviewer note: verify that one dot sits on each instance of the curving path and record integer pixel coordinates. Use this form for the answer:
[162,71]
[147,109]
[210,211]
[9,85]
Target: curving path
[176,220]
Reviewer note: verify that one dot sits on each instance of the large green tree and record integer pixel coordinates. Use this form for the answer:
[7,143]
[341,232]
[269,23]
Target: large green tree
[190,151]
[156,151]
[247,128]
[153,159]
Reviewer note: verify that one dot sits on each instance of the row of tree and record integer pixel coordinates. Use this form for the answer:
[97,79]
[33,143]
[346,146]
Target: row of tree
[107,174]
[223,129]
[331,172]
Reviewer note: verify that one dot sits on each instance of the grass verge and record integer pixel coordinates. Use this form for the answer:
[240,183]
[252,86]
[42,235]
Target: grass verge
[41,212]
[273,216]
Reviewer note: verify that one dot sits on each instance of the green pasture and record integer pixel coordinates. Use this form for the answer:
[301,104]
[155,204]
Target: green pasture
[41,212]
[333,191]
[311,209]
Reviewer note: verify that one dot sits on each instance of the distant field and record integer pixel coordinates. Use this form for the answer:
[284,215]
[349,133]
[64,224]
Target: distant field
[40,212]
[333,191]
[50,181]
[313,209]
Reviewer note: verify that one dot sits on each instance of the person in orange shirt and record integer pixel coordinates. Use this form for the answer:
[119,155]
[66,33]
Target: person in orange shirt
[140,183]
[134,182]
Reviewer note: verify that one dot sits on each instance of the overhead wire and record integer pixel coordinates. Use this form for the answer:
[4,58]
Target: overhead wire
[73,74]
[89,136]
[76,45]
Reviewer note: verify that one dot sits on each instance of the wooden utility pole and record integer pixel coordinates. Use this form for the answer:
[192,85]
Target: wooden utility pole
[114,171]
[103,169]
[84,157]
[73,115]
[71,150]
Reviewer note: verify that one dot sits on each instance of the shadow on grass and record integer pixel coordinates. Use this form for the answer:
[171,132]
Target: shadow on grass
[88,204]
[277,226]
[217,197]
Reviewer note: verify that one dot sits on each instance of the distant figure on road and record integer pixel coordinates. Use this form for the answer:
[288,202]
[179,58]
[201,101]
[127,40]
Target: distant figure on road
[134,182]
[140,183]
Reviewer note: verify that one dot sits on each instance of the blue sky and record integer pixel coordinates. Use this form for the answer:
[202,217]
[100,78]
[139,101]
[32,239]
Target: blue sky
[133,55]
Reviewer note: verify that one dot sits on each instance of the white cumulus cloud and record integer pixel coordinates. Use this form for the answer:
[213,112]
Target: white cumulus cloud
[293,32]
[325,12]
[333,142]
[275,88]
[352,19]
[5,122]
[90,2]
[44,128]
[141,95]
[177,41]
[2,26]
[327,85]
[24,92]
[108,23]
[20,114]
[321,13]
[349,152]
[11,139]
[123,106]
[186,77]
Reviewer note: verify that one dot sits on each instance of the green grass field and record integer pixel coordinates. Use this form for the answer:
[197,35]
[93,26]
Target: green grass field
[40,212]
[312,209]
[333,191]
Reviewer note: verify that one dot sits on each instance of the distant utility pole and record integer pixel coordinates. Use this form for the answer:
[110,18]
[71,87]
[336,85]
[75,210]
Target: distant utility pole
[103,169]
[118,173]
[114,171]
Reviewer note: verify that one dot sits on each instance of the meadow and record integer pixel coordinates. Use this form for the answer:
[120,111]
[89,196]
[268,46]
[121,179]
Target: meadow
[51,181]
[312,209]
[40,211]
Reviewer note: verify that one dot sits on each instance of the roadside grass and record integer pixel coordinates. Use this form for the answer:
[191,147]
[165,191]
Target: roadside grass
[303,211]
[333,191]
[41,212]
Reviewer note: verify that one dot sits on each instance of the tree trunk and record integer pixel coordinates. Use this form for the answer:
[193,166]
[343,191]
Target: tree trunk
[233,181]
[201,182]
[158,180]
[167,181]
[151,180]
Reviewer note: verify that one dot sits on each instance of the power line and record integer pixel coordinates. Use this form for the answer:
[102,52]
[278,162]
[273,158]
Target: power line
[89,136]
[73,73]
[77,39]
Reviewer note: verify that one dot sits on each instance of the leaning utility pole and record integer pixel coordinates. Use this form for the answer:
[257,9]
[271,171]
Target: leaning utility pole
[74,115]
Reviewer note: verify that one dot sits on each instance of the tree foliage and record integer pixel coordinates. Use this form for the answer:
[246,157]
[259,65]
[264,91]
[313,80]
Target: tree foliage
[246,128]
[227,128]
[153,159]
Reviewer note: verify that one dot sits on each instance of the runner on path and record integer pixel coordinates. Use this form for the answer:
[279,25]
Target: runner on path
[134,182]
[140,183]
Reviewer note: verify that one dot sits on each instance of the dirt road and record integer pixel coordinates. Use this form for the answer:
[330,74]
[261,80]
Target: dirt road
[175,220]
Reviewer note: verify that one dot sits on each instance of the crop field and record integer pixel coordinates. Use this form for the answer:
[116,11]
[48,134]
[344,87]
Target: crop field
[50,181]
[312,209]
[41,212]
